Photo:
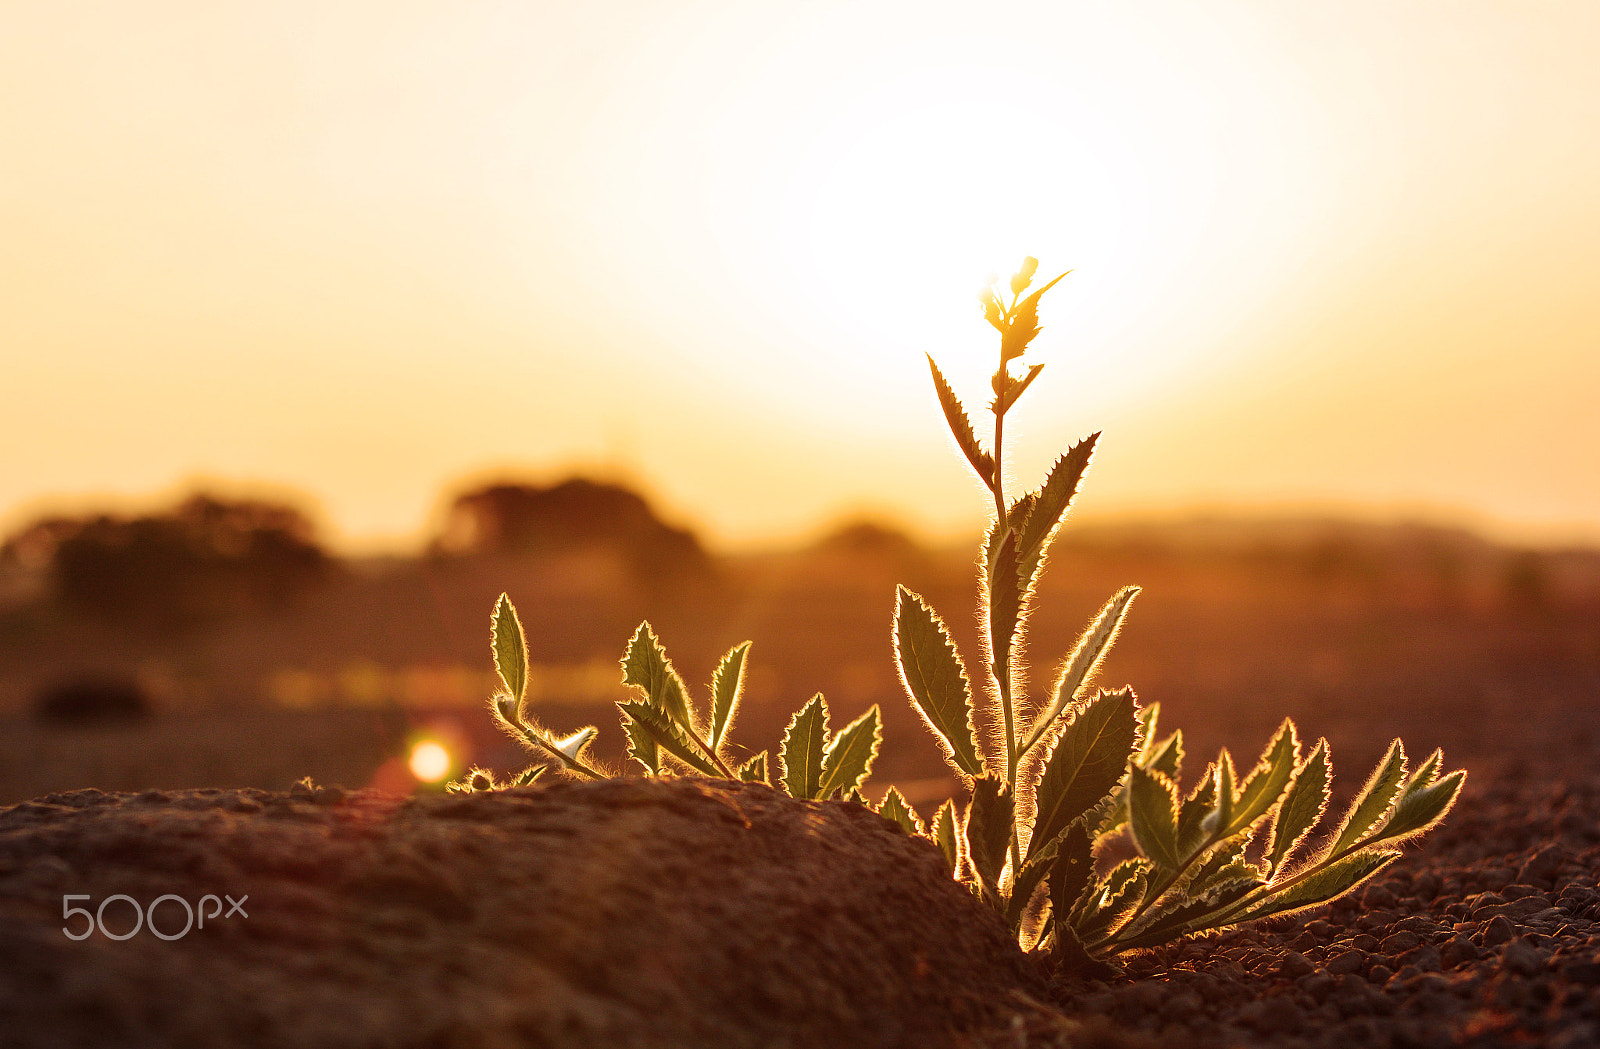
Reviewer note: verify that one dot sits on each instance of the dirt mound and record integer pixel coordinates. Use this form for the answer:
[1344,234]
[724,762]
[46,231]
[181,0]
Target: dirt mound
[622,913]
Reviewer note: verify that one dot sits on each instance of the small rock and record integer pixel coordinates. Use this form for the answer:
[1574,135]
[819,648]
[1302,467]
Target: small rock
[1542,865]
[1523,958]
[1294,965]
[1379,974]
[1348,962]
[1499,930]
[1272,1015]
[1458,951]
[1400,942]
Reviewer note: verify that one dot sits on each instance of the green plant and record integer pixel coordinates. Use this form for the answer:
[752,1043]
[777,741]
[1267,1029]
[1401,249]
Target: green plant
[1051,783]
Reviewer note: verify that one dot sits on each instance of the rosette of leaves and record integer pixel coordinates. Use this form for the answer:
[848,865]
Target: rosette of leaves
[667,734]
[1056,779]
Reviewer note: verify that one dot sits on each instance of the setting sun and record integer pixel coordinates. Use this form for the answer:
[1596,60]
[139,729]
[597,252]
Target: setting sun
[430,761]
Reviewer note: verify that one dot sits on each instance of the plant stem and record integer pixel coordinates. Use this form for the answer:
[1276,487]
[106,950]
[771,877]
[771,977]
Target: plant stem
[1000,667]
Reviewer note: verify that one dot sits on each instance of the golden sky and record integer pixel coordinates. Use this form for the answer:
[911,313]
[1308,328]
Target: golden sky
[1324,254]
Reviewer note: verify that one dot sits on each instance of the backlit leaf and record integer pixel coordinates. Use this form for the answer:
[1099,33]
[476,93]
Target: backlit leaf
[848,757]
[1421,808]
[935,679]
[649,719]
[754,770]
[895,810]
[1376,798]
[966,440]
[727,685]
[1153,816]
[1323,886]
[945,835]
[1111,900]
[647,666]
[1081,665]
[1072,869]
[801,755]
[1167,756]
[1192,814]
[510,649]
[1050,505]
[1088,761]
[989,829]
[1302,810]
[1267,782]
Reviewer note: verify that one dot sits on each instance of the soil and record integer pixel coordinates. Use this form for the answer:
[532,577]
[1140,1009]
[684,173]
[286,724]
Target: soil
[689,913]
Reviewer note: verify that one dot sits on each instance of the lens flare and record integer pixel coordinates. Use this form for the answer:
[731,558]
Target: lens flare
[430,761]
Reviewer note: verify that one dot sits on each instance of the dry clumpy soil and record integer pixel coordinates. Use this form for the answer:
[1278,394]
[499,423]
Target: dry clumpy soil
[1486,934]
[686,913]
[628,913]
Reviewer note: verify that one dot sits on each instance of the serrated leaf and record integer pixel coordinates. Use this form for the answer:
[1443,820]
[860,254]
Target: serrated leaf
[988,830]
[642,746]
[1167,757]
[800,757]
[1302,810]
[1087,762]
[652,721]
[1322,886]
[936,680]
[1215,867]
[848,758]
[895,810]
[1421,809]
[1375,799]
[1268,781]
[727,686]
[961,428]
[1153,815]
[1051,504]
[1111,900]
[1072,869]
[527,775]
[1080,666]
[1180,913]
[1192,815]
[945,835]
[754,770]
[1015,388]
[646,665]
[510,649]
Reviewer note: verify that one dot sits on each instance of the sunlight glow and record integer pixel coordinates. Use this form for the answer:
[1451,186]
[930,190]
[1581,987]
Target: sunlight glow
[430,761]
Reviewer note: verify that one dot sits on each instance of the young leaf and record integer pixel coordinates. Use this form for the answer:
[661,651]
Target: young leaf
[1084,661]
[1421,808]
[1167,756]
[1015,388]
[801,755]
[1051,503]
[1153,816]
[895,810]
[647,666]
[754,770]
[1266,784]
[1087,763]
[1302,810]
[945,836]
[1192,814]
[1113,898]
[935,679]
[1072,870]
[1375,799]
[989,830]
[727,685]
[510,649]
[1323,886]
[1071,956]
[642,746]
[527,775]
[849,755]
[649,719]
[956,416]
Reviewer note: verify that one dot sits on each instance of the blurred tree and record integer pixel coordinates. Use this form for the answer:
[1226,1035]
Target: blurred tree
[576,514]
[206,559]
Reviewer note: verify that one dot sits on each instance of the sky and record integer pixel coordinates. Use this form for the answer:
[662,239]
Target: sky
[362,255]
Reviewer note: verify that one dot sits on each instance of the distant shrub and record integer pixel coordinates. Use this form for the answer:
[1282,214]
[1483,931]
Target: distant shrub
[92,700]
[206,559]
